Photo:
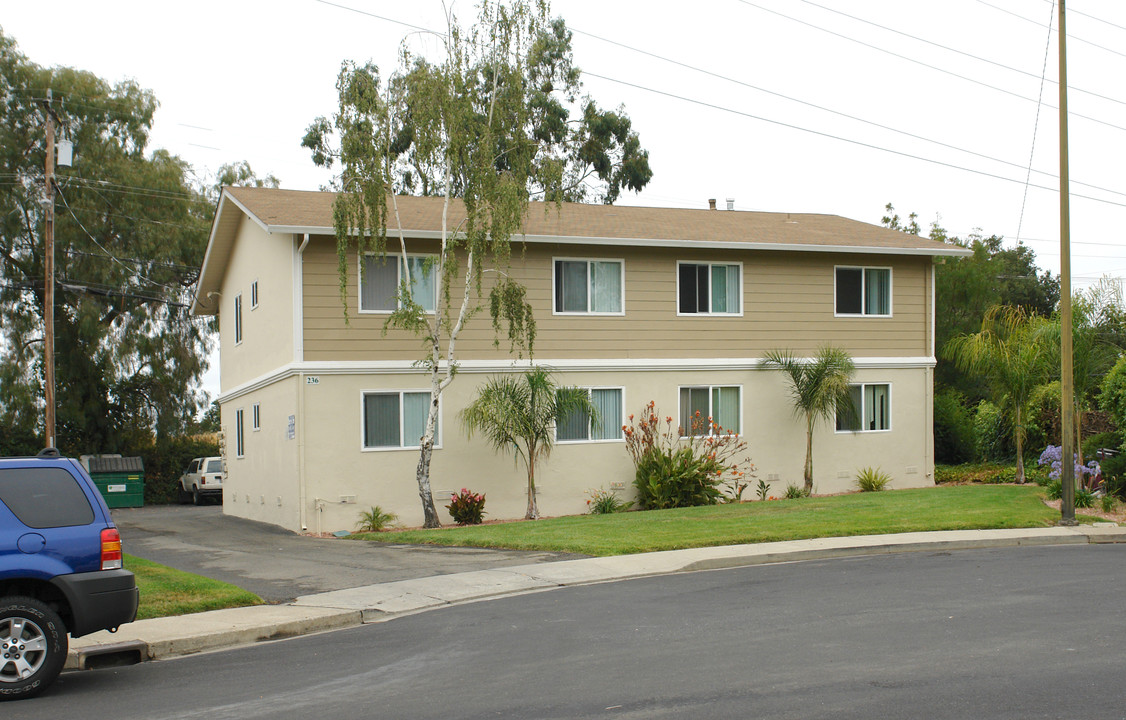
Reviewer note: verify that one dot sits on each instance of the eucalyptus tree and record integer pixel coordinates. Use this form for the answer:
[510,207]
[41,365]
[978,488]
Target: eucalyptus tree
[819,389]
[130,233]
[1012,353]
[520,413]
[489,126]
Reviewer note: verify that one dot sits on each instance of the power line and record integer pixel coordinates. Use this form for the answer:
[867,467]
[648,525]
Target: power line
[966,54]
[1035,125]
[841,139]
[835,112]
[927,65]
[1069,35]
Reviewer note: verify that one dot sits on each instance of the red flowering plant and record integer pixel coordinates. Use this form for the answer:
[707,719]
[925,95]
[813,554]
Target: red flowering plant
[466,507]
[678,469]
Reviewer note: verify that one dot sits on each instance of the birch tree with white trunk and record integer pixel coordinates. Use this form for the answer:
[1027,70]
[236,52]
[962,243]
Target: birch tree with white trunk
[488,127]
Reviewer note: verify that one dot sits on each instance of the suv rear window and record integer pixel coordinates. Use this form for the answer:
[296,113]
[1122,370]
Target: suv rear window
[45,497]
[214,466]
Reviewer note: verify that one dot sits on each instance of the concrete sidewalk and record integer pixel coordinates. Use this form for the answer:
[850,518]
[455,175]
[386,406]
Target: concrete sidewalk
[186,634]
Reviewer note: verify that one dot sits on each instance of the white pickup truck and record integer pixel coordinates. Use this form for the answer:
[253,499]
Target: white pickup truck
[204,477]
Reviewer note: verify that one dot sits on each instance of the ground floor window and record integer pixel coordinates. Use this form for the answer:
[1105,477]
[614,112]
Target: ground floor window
[240,446]
[395,419]
[580,426]
[702,405]
[870,411]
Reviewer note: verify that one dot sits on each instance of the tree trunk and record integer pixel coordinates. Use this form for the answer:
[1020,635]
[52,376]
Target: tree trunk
[1020,449]
[809,454]
[533,510]
[430,514]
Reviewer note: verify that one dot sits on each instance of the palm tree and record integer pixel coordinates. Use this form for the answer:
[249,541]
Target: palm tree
[1011,352]
[519,413]
[818,388]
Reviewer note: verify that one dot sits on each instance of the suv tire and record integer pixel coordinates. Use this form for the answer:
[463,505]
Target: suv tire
[197,499]
[33,647]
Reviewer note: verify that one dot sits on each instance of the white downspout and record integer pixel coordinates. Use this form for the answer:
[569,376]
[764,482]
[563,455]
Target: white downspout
[299,358]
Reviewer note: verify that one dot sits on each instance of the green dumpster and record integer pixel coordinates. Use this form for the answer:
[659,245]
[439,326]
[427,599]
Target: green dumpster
[121,480]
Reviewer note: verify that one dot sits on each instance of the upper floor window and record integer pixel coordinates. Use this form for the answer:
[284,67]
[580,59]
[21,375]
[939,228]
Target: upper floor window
[589,286]
[238,318]
[871,409]
[863,291]
[708,288]
[253,294]
[580,426]
[701,406]
[381,278]
[256,417]
[395,419]
[240,440]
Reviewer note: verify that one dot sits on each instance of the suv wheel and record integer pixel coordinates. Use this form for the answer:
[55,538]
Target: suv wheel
[196,498]
[33,647]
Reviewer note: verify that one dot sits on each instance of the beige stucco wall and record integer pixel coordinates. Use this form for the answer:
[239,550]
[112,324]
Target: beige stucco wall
[337,467]
[788,302]
[264,484]
[267,330]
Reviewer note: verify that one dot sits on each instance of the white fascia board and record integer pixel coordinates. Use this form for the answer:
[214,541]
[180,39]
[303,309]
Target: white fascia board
[394,367]
[247,212]
[952,250]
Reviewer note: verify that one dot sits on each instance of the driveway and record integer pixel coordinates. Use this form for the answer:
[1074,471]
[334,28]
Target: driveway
[279,565]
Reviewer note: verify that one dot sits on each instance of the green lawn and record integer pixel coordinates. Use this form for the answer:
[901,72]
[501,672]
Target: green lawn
[165,591]
[963,507]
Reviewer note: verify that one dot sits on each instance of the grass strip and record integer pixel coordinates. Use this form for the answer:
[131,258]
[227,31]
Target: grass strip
[963,507]
[166,591]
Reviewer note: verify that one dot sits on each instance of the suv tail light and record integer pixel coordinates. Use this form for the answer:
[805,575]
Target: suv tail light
[111,549]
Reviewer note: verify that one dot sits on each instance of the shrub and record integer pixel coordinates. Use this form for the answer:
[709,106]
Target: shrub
[794,492]
[994,432]
[605,502]
[1054,489]
[466,507]
[374,520]
[678,469]
[1107,503]
[953,428]
[1093,444]
[1084,498]
[1084,474]
[763,489]
[985,473]
[872,479]
[1114,474]
[1112,393]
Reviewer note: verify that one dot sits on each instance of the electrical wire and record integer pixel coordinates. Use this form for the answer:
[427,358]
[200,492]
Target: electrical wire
[840,138]
[1041,78]
[1035,124]
[927,65]
[1070,37]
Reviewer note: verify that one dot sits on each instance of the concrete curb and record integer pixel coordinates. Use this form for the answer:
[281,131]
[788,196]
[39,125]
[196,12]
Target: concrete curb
[182,635]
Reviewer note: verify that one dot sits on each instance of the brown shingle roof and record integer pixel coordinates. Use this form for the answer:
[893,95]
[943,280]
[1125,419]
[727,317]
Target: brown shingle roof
[292,210]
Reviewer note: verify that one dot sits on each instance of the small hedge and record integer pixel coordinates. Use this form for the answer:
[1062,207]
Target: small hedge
[987,474]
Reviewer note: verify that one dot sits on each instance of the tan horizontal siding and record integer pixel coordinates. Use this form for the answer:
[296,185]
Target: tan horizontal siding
[787,296]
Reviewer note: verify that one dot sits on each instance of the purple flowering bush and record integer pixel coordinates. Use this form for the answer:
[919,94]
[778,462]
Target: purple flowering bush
[1053,457]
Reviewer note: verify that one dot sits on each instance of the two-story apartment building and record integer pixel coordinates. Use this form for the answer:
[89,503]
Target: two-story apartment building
[322,417]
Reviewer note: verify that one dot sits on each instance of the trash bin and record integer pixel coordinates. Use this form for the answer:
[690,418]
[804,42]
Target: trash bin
[121,480]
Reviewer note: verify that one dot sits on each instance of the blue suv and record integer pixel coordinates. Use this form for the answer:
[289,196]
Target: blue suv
[60,569]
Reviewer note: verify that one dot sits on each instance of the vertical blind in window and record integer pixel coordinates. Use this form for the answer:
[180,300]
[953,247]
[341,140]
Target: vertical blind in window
[606,287]
[379,282]
[877,291]
[396,419]
[876,407]
[579,426]
[423,286]
[725,408]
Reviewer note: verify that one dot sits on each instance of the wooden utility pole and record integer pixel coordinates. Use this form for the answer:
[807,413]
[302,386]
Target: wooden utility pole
[49,280]
[1067,377]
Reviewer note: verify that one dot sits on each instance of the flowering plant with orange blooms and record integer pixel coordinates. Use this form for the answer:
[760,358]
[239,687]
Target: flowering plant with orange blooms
[678,469]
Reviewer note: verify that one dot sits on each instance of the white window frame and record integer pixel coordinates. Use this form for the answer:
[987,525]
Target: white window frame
[863,410]
[710,264]
[253,294]
[400,392]
[256,417]
[590,429]
[240,436]
[238,319]
[589,261]
[397,258]
[711,413]
[864,290]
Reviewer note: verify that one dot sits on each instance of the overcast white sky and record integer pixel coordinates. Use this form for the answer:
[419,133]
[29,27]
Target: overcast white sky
[242,79]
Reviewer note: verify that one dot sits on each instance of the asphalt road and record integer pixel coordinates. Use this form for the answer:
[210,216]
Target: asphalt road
[278,565]
[1032,632]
